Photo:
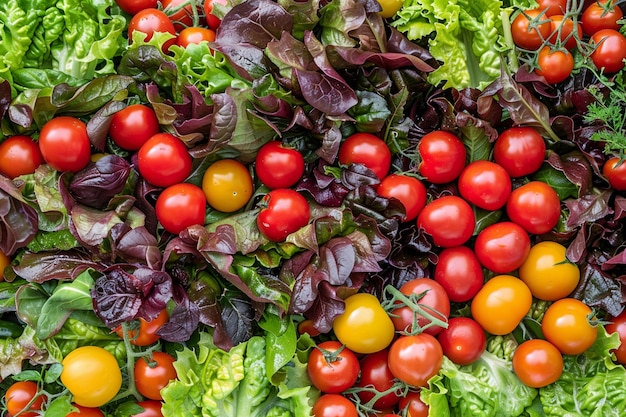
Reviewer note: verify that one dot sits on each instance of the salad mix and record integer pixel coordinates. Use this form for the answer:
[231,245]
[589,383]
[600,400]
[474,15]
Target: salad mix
[324,208]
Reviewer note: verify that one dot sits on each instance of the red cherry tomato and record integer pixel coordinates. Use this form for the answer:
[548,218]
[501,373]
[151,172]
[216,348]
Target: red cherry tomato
[375,373]
[85,412]
[332,368]
[601,15]
[334,405]
[502,247]
[610,50]
[278,165]
[530,28]
[414,359]
[442,156]
[412,402]
[146,334]
[618,325]
[180,206]
[535,206]
[366,149]
[64,143]
[19,155]
[152,408]
[537,363]
[614,170]
[434,300]
[132,126]
[285,212]
[134,6]
[164,160]
[149,21]
[520,150]
[153,373]
[563,33]
[410,191]
[485,184]
[555,65]
[552,7]
[180,13]
[459,272]
[19,395]
[194,35]
[212,21]
[464,341]
[449,220]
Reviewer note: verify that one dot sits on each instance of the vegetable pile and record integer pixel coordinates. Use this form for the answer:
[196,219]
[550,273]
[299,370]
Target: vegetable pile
[327,208]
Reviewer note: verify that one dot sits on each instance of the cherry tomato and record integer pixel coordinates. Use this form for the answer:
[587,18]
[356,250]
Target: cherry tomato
[485,184]
[459,272]
[285,211]
[502,247]
[134,6]
[530,28]
[85,412]
[334,405]
[194,35]
[19,155]
[278,165]
[92,375]
[552,7]
[153,373]
[520,150]
[537,363]
[414,359]
[180,206]
[180,13]
[227,185]
[548,273]
[367,149]
[307,326]
[601,15]
[19,394]
[410,191]
[152,408]
[618,325]
[132,126]
[5,261]
[146,333]
[615,172]
[501,304]
[64,143]
[449,220]
[164,160]
[390,8]
[412,402]
[463,341]
[149,21]
[364,326]
[609,51]
[555,65]
[535,206]
[212,21]
[563,33]
[332,368]
[434,300]
[375,373]
[566,323]
[442,157]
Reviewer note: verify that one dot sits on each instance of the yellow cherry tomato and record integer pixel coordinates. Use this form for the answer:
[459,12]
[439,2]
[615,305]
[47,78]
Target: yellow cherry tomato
[501,304]
[227,185]
[548,273]
[92,375]
[390,7]
[364,326]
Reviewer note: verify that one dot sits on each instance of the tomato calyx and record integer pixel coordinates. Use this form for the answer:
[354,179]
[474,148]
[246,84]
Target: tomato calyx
[398,388]
[394,298]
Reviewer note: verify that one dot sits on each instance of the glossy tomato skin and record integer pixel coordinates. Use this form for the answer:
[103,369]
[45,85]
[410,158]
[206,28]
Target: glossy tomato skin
[552,7]
[389,8]
[164,160]
[414,359]
[334,405]
[152,408]
[566,325]
[153,373]
[5,261]
[434,300]
[459,272]
[19,394]
[146,334]
[501,304]
[449,220]
[535,206]
[485,184]
[617,325]
[132,126]
[548,273]
[463,341]
[194,35]
[520,150]
[92,375]
[227,185]
[614,170]
[332,368]
[149,21]
[368,150]
[537,363]
[19,155]
[610,50]
[64,143]
[180,206]
[555,65]
[364,326]
[530,28]
[375,373]
[211,20]
[180,13]
[502,247]
[85,412]
[410,191]
[134,6]
[278,165]
[564,33]
[442,157]
[598,15]
[414,405]
[286,212]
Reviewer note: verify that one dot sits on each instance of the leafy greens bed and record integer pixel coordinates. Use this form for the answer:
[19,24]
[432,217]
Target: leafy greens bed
[89,254]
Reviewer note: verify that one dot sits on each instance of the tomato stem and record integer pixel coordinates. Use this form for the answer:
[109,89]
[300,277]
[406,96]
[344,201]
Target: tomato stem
[399,299]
